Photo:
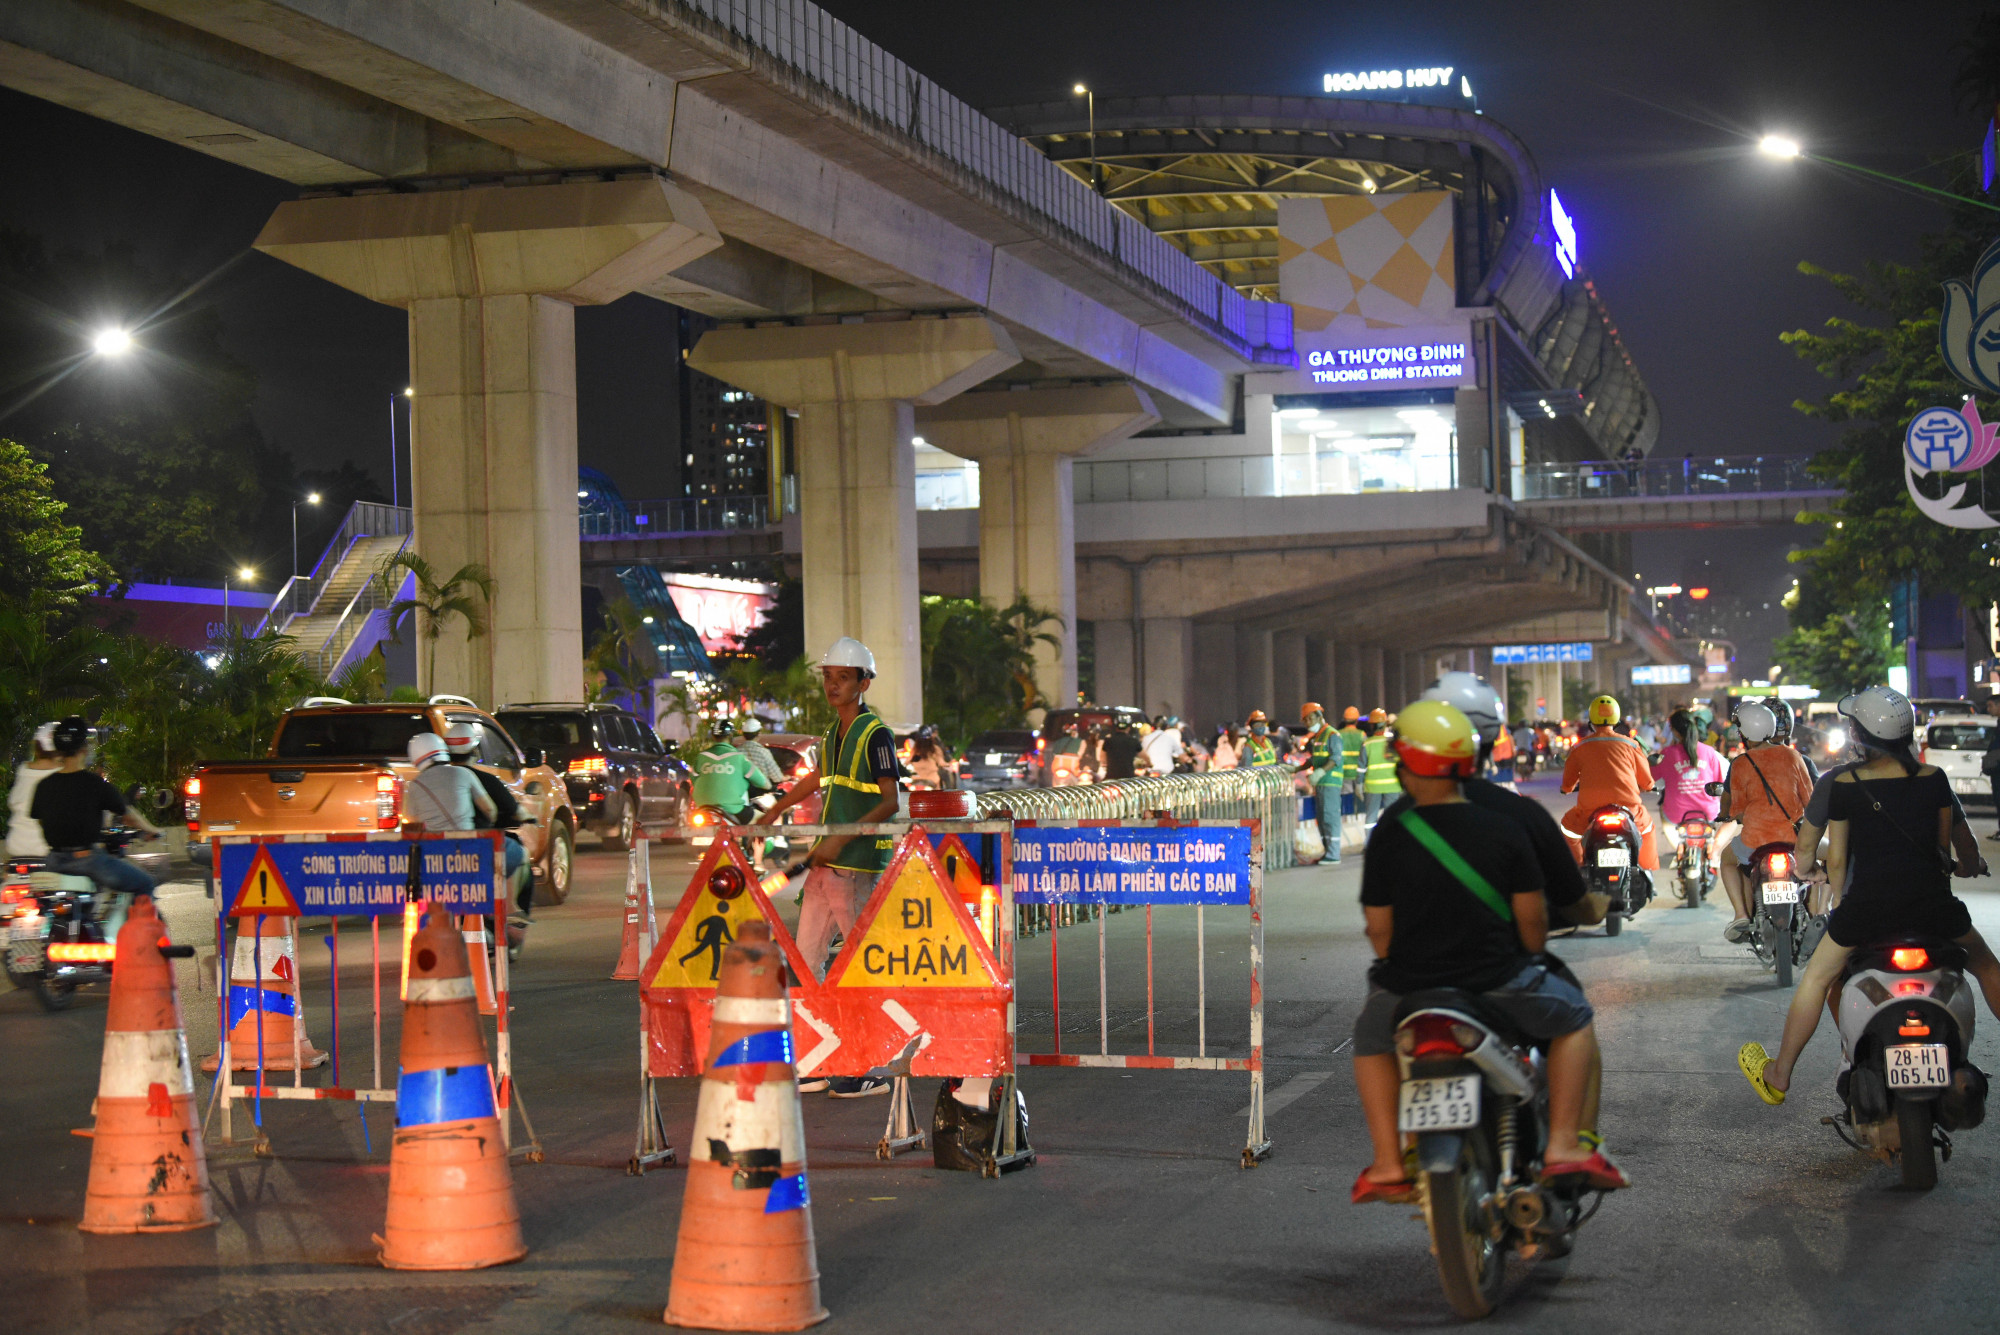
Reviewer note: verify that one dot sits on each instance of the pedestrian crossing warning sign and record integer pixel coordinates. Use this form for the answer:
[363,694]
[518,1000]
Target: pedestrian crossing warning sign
[916,932]
[263,892]
[722,896]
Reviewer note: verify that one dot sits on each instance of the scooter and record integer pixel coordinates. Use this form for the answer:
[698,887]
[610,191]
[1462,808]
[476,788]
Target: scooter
[62,930]
[1476,1098]
[1905,1018]
[1611,845]
[1778,911]
[1691,864]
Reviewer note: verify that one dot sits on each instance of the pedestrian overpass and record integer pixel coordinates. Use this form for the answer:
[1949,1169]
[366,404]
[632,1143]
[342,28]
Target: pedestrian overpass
[1610,497]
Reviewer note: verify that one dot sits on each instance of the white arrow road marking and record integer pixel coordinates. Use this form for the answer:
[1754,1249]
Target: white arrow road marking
[905,1021]
[828,1040]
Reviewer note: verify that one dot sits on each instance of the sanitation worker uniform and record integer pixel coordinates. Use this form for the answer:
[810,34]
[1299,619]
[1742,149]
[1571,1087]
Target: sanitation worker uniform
[1353,742]
[1606,769]
[1378,776]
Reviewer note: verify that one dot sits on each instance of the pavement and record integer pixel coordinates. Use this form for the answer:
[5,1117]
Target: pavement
[1137,1216]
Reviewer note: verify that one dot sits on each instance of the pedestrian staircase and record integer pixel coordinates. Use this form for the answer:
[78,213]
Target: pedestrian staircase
[336,614]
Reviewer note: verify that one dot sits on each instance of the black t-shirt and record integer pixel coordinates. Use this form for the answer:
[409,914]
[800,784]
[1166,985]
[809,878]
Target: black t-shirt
[71,808]
[1893,852]
[1445,936]
[1562,880]
[1120,750]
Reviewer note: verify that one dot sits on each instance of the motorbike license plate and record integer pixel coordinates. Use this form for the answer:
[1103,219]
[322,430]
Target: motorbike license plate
[1446,1103]
[1918,1066]
[1781,892]
[1614,857]
[993,757]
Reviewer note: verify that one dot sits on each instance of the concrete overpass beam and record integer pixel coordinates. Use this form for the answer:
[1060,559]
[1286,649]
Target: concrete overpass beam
[1025,441]
[490,278]
[856,388]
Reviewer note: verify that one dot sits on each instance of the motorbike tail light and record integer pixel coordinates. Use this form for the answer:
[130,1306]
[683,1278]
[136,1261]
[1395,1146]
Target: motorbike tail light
[1436,1036]
[699,818]
[1909,959]
[388,801]
[1914,1030]
[1609,820]
[191,803]
[588,765]
[1911,987]
[82,952]
[1781,866]
[14,894]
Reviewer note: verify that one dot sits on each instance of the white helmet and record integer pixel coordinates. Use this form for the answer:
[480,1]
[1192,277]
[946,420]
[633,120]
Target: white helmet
[1756,722]
[751,725]
[426,749]
[1473,696]
[1882,713]
[461,737]
[849,652]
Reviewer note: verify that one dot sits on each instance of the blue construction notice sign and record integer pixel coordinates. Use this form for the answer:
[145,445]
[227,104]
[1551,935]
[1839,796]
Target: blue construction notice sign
[348,878]
[1147,864]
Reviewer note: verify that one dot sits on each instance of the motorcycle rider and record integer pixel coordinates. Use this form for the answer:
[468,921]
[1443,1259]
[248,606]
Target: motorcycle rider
[1472,914]
[1608,769]
[1767,792]
[1889,820]
[724,776]
[751,729]
[443,797]
[70,805]
[1688,765]
[461,741]
[24,835]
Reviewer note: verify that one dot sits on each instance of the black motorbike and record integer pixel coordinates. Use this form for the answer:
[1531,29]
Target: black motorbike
[1611,844]
[1475,1097]
[1778,911]
[60,928]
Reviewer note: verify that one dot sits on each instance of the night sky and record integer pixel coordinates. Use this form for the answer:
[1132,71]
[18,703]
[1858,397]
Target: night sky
[1640,115]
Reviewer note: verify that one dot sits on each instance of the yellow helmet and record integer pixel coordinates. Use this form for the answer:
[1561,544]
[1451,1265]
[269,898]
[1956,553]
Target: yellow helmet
[1604,712]
[1436,739]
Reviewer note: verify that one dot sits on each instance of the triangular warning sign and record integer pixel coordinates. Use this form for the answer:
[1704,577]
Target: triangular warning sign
[263,892]
[711,912]
[916,932]
[961,868]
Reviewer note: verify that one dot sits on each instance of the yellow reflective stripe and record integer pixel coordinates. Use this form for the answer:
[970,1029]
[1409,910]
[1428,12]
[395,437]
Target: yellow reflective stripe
[842,781]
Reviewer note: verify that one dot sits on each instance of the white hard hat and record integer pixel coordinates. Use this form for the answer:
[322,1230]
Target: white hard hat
[1882,713]
[752,725]
[426,749]
[1472,696]
[849,652]
[461,737]
[1756,722]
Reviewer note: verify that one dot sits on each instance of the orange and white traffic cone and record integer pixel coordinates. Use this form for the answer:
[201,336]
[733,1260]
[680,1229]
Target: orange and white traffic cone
[451,1192]
[264,994]
[148,1173]
[745,1258]
[480,960]
[638,900]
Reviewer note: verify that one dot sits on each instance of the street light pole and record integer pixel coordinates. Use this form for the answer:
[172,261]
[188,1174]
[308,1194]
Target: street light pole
[409,392]
[1780,146]
[312,499]
[1090,104]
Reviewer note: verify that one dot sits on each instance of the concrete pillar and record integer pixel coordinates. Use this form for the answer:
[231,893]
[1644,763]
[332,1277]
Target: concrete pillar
[1024,441]
[1116,659]
[1347,675]
[1169,665]
[856,388]
[1288,676]
[1213,689]
[1382,678]
[1253,671]
[489,276]
[1320,675]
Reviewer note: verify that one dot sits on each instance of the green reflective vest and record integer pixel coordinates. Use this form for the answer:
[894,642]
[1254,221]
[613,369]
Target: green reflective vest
[851,792]
[1326,753]
[1352,741]
[1380,775]
[1260,751]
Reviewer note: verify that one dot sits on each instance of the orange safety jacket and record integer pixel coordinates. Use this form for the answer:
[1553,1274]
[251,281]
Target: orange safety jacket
[1607,769]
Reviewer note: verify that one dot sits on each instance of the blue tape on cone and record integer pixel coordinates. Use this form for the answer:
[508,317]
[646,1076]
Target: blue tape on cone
[445,1094]
[788,1193]
[773,1045]
[243,1000]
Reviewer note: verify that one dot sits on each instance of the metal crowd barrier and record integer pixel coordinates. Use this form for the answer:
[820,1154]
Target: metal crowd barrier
[1265,793]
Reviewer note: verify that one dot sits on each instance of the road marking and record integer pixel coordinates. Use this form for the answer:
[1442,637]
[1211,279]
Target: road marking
[1290,1092]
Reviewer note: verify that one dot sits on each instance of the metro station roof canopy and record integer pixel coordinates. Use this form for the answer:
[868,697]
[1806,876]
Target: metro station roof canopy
[1207,172]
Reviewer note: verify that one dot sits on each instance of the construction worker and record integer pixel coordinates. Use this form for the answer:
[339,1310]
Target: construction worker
[1378,768]
[1352,740]
[1259,749]
[857,767]
[1324,763]
[1606,769]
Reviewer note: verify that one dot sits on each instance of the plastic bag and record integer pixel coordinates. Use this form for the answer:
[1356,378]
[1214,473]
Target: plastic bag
[962,1133]
[1307,846]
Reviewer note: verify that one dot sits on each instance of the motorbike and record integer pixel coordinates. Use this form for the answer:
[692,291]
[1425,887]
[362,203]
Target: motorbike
[1691,860]
[61,930]
[1611,844]
[1476,1100]
[1905,1019]
[1778,911]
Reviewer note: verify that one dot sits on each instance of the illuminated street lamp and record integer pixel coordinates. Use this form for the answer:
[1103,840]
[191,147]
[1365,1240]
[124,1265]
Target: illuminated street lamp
[311,499]
[112,342]
[1778,146]
[409,392]
[1090,102]
[248,576]
[1785,148]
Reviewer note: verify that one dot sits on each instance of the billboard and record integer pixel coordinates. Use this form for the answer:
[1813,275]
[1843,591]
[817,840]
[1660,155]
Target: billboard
[1662,674]
[721,611]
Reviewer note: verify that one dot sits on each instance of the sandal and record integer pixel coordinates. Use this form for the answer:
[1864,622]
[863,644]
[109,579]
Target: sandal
[1753,1059]
[1598,1170]
[1369,1192]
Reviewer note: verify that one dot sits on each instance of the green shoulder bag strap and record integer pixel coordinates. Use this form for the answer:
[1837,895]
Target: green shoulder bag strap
[1464,872]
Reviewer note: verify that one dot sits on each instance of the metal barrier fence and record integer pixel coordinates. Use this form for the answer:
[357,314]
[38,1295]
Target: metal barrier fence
[1262,793]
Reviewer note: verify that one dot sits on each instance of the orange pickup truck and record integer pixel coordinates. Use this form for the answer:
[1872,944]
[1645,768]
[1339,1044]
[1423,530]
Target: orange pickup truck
[339,768]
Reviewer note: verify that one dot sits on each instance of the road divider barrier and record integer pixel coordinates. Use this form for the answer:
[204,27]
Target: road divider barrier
[1266,794]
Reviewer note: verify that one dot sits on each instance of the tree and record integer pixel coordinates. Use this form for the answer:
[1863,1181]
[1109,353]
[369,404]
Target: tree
[621,660]
[48,668]
[465,595]
[780,639]
[254,680]
[43,562]
[979,663]
[1844,653]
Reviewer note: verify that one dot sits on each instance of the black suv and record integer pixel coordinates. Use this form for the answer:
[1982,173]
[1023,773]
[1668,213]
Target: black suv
[618,770]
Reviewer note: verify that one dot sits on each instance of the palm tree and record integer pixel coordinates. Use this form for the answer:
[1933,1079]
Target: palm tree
[465,594]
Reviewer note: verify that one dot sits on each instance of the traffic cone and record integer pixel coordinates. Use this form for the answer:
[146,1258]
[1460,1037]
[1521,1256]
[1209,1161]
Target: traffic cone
[638,870]
[451,1192]
[745,1258]
[147,1170]
[477,939]
[274,1006]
